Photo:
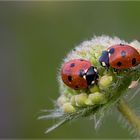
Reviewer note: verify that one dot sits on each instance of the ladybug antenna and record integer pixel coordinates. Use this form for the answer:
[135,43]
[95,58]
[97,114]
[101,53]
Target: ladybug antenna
[121,44]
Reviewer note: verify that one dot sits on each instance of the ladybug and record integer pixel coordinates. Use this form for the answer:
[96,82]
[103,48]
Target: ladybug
[78,74]
[120,57]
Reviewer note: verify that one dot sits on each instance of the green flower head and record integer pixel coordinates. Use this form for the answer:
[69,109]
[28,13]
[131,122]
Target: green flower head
[109,89]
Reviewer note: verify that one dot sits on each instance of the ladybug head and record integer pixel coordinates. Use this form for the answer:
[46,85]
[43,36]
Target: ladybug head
[91,75]
[104,59]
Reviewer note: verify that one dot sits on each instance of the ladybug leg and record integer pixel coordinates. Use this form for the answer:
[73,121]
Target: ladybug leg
[116,70]
[96,83]
[107,67]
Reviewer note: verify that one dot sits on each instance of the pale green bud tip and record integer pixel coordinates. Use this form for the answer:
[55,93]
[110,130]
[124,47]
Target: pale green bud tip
[61,100]
[105,81]
[68,108]
[97,98]
[80,99]
[88,102]
[95,88]
[72,100]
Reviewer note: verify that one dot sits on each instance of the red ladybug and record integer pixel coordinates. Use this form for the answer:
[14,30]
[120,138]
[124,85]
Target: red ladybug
[78,74]
[120,57]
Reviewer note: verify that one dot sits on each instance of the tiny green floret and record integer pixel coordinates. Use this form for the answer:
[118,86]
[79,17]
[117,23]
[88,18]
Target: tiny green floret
[94,88]
[105,81]
[72,100]
[97,98]
[80,99]
[61,100]
[68,108]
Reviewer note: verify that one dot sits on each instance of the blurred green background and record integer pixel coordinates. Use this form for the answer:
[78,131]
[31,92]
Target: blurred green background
[34,38]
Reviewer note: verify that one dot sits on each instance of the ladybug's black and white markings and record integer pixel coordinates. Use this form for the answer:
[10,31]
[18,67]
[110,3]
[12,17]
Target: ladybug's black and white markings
[91,75]
[104,59]
[111,51]
[81,73]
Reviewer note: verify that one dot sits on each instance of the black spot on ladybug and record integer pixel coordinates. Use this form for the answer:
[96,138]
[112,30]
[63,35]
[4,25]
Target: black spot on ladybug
[69,78]
[112,50]
[123,53]
[76,87]
[81,60]
[72,65]
[119,64]
[81,73]
[133,61]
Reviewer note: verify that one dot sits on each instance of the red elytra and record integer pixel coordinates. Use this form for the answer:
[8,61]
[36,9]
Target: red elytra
[123,56]
[78,73]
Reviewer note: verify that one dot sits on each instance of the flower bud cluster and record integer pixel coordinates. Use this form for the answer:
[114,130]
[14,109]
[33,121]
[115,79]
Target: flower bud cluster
[105,92]
[71,100]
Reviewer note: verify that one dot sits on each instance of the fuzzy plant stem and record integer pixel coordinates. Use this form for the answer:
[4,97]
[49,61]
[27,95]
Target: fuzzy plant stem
[129,115]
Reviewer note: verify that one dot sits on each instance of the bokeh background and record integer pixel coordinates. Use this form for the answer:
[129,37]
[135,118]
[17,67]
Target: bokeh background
[34,38]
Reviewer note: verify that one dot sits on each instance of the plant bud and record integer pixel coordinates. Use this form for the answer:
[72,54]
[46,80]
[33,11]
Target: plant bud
[97,98]
[80,99]
[72,100]
[105,81]
[68,108]
[94,88]
[61,100]
[88,102]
